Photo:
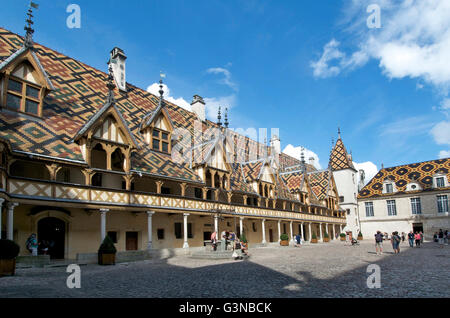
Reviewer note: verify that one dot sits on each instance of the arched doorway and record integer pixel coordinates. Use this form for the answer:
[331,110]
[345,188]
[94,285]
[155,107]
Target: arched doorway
[53,231]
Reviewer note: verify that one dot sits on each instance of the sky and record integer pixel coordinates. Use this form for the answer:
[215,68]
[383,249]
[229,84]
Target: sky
[304,67]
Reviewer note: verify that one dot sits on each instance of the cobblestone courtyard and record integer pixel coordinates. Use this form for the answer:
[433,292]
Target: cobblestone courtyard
[322,270]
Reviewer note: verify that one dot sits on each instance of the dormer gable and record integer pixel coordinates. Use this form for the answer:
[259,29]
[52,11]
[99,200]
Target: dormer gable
[157,129]
[24,83]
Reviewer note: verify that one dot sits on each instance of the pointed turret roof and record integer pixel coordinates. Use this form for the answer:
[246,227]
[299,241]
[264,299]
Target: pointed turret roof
[339,158]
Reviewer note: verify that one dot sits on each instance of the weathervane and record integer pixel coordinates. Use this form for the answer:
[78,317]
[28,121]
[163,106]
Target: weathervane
[29,27]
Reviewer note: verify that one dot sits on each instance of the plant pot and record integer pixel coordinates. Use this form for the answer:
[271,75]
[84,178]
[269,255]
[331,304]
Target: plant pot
[326,239]
[314,241]
[360,238]
[284,243]
[107,259]
[342,238]
[7,267]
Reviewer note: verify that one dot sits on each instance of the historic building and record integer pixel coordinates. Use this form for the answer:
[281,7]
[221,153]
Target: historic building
[346,177]
[412,197]
[85,154]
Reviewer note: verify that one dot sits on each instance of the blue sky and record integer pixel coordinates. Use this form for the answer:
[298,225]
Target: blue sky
[305,67]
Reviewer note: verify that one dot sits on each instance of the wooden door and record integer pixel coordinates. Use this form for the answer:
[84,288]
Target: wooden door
[132,241]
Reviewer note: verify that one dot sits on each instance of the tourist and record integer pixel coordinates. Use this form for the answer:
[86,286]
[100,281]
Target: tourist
[395,240]
[421,237]
[435,237]
[403,237]
[446,237]
[298,239]
[32,245]
[441,238]
[44,247]
[232,239]
[214,241]
[411,239]
[379,243]
[417,238]
[223,240]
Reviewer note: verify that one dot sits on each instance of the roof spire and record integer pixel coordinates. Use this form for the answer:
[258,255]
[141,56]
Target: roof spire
[110,85]
[219,117]
[302,160]
[28,43]
[339,132]
[226,118]
[161,87]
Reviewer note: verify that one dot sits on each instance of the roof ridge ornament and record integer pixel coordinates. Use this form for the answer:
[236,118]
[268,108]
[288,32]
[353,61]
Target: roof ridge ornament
[28,42]
[226,118]
[219,117]
[161,88]
[339,132]
[110,86]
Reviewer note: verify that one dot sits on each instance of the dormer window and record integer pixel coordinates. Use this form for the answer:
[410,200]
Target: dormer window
[23,93]
[160,140]
[389,188]
[440,182]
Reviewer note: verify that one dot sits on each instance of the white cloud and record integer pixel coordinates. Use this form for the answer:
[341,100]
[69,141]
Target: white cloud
[297,151]
[227,76]
[154,89]
[213,103]
[444,154]
[441,133]
[370,170]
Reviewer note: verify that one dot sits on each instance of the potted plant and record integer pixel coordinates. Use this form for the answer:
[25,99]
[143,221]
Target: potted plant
[342,236]
[284,240]
[107,252]
[8,253]
[314,238]
[360,236]
[326,237]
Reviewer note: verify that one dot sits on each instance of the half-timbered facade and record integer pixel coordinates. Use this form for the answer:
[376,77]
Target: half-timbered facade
[82,159]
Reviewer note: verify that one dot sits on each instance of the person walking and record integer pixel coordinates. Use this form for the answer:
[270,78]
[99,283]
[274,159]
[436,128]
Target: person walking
[403,237]
[446,237]
[214,241]
[417,238]
[298,239]
[379,243]
[441,238]
[411,239]
[421,237]
[396,239]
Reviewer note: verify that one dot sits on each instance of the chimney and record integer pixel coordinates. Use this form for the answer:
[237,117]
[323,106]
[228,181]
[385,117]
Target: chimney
[311,161]
[198,107]
[275,144]
[117,61]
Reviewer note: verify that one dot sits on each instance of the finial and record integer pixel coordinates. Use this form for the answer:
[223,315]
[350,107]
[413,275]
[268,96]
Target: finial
[110,85]
[226,118]
[339,132]
[332,142]
[29,35]
[219,118]
[302,160]
[161,86]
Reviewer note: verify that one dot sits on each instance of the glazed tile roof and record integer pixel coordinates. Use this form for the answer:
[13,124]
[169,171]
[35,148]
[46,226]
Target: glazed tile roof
[421,173]
[79,94]
[339,158]
[320,183]
[294,181]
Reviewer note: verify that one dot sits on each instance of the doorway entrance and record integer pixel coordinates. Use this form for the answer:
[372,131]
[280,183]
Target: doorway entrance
[52,234]
[417,227]
[131,241]
[270,235]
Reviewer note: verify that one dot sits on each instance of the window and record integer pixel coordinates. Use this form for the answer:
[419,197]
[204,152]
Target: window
[416,207]
[440,183]
[284,228]
[178,230]
[160,140]
[97,180]
[190,233]
[22,91]
[165,190]
[198,193]
[391,207]
[389,188]
[160,234]
[348,211]
[442,202]
[341,199]
[369,209]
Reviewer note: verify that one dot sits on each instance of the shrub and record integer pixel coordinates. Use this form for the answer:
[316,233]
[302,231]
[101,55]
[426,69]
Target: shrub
[326,235]
[8,249]
[342,235]
[243,238]
[314,236]
[360,234]
[107,246]
[284,237]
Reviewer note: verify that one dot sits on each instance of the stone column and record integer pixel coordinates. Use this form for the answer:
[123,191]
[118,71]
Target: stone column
[241,225]
[216,226]
[320,231]
[103,224]
[10,224]
[309,232]
[340,228]
[264,232]
[301,231]
[185,223]
[150,229]
[279,231]
[1,212]
[292,233]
